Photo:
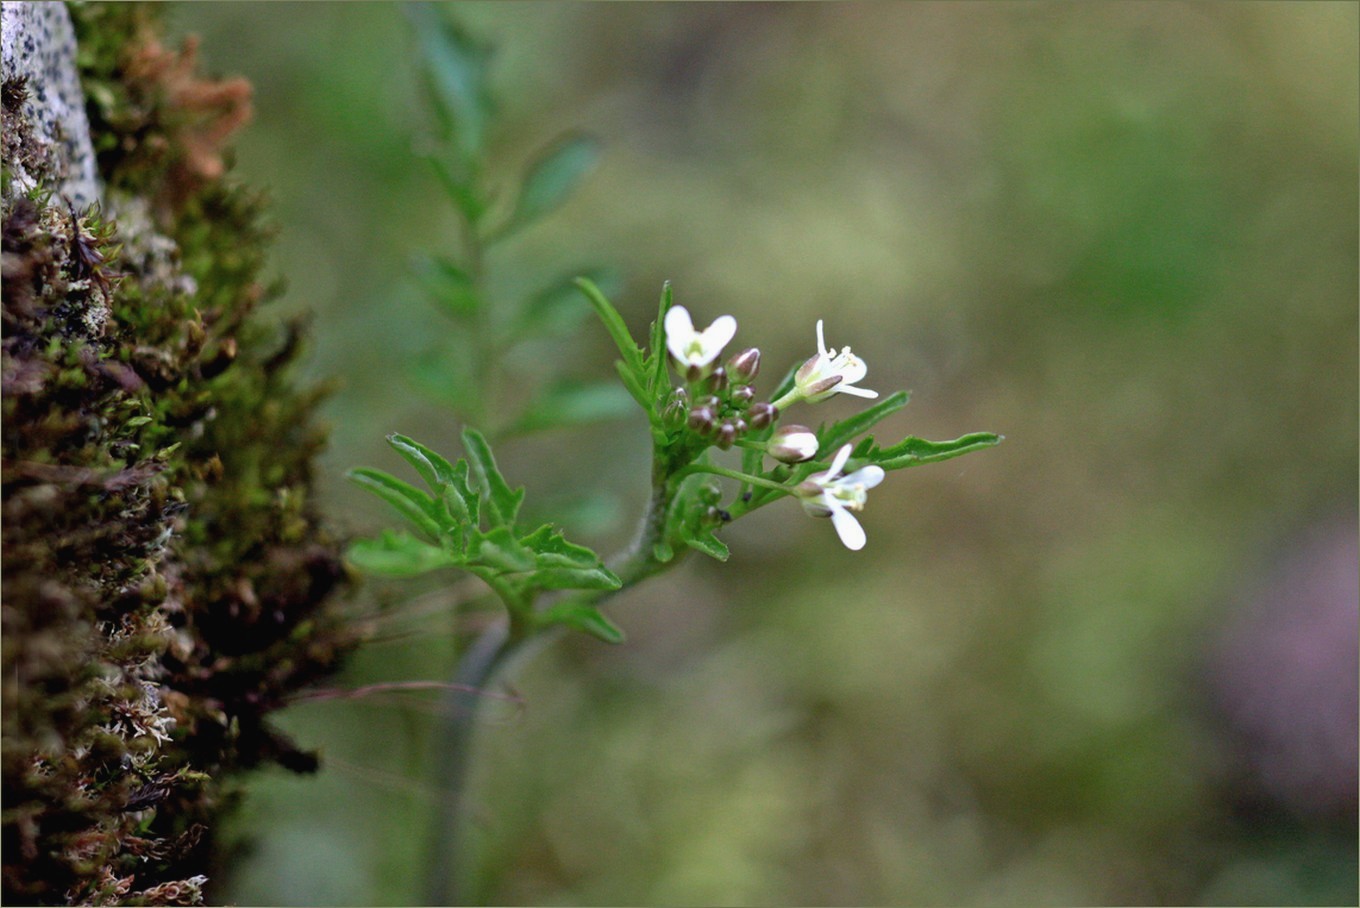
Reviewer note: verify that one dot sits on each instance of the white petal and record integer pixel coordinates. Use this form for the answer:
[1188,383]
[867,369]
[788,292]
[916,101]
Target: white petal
[843,388]
[679,331]
[848,528]
[850,367]
[719,334]
[821,340]
[841,457]
[868,477]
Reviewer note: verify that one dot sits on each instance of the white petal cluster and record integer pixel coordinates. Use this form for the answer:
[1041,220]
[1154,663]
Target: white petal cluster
[830,373]
[696,350]
[831,495]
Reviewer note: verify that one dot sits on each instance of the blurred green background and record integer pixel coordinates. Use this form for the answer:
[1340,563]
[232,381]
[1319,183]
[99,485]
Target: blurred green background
[1112,661]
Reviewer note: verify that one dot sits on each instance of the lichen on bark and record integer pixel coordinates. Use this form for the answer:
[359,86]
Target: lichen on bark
[167,580]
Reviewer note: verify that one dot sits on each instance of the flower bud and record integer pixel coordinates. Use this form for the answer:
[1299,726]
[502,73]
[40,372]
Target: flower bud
[741,396]
[701,420]
[711,401]
[727,435]
[710,493]
[793,444]
[762,414]
[717,380]
[744,366]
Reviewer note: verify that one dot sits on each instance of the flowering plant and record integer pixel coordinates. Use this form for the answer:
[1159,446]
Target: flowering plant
[719,451]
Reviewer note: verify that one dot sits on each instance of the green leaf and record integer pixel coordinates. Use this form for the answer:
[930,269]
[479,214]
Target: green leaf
[585,618]
[458,189]
[456,68]
[565,565]
[397,554]
[657,348]
[614,324]
[432,467]
[502,501]
[910,452]
[552,176]
[449,286]
[501,551]
[596,578]
[704,541]
[832,437]
[409,501]
[573,403]
[553,548]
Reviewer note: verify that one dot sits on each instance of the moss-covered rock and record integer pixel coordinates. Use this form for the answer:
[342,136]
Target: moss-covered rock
[167,582]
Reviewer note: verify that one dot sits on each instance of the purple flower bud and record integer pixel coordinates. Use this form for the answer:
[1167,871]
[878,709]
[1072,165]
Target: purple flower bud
[744,366]
[701,420]
[727,435]
[717,380]
[762,414]
[741,396]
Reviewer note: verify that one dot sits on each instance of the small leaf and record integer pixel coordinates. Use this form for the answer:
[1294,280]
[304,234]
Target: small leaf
[502,501]
[597,578]
[449,286]
[910,452]
[397,554]
[704,541]
[459,191]
[574,403]
[548,542]
[552,177]
[136,421]
[585,618]
[614,324]
[500,551]
[657,348]
[409,501]
[832,437]
[455,66]
[432,467]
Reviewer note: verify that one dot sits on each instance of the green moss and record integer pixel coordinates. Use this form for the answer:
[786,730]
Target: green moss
[167,580]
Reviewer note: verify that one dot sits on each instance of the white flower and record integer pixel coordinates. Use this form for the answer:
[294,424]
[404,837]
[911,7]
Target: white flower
[829,373]
[831,495]
[695,351]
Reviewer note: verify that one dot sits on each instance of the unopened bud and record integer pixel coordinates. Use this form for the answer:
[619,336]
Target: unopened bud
[712,401]
[717,380]
[710,493]
[793,444]
[741,396]
[727,435]
[762,414]
[701,420]
[675,414]
[744,366]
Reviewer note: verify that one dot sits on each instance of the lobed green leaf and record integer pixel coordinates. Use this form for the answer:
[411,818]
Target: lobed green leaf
[397,554]
[410,502]
[502,501]
[832,437]
[910,452]
[585,618]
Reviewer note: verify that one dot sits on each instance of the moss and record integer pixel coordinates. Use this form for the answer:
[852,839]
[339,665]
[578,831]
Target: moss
[167,580]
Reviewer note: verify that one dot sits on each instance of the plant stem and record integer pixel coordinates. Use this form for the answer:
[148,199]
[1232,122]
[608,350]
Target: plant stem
[477,668]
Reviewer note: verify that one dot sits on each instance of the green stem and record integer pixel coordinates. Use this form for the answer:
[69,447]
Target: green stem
[734,474]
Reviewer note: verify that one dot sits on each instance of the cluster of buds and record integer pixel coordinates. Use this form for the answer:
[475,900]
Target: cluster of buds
[718,402]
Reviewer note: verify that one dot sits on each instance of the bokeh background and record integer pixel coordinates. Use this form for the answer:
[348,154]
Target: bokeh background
[1112,661]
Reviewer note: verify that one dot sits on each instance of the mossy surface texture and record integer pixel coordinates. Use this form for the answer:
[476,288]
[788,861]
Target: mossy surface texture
[167,583]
